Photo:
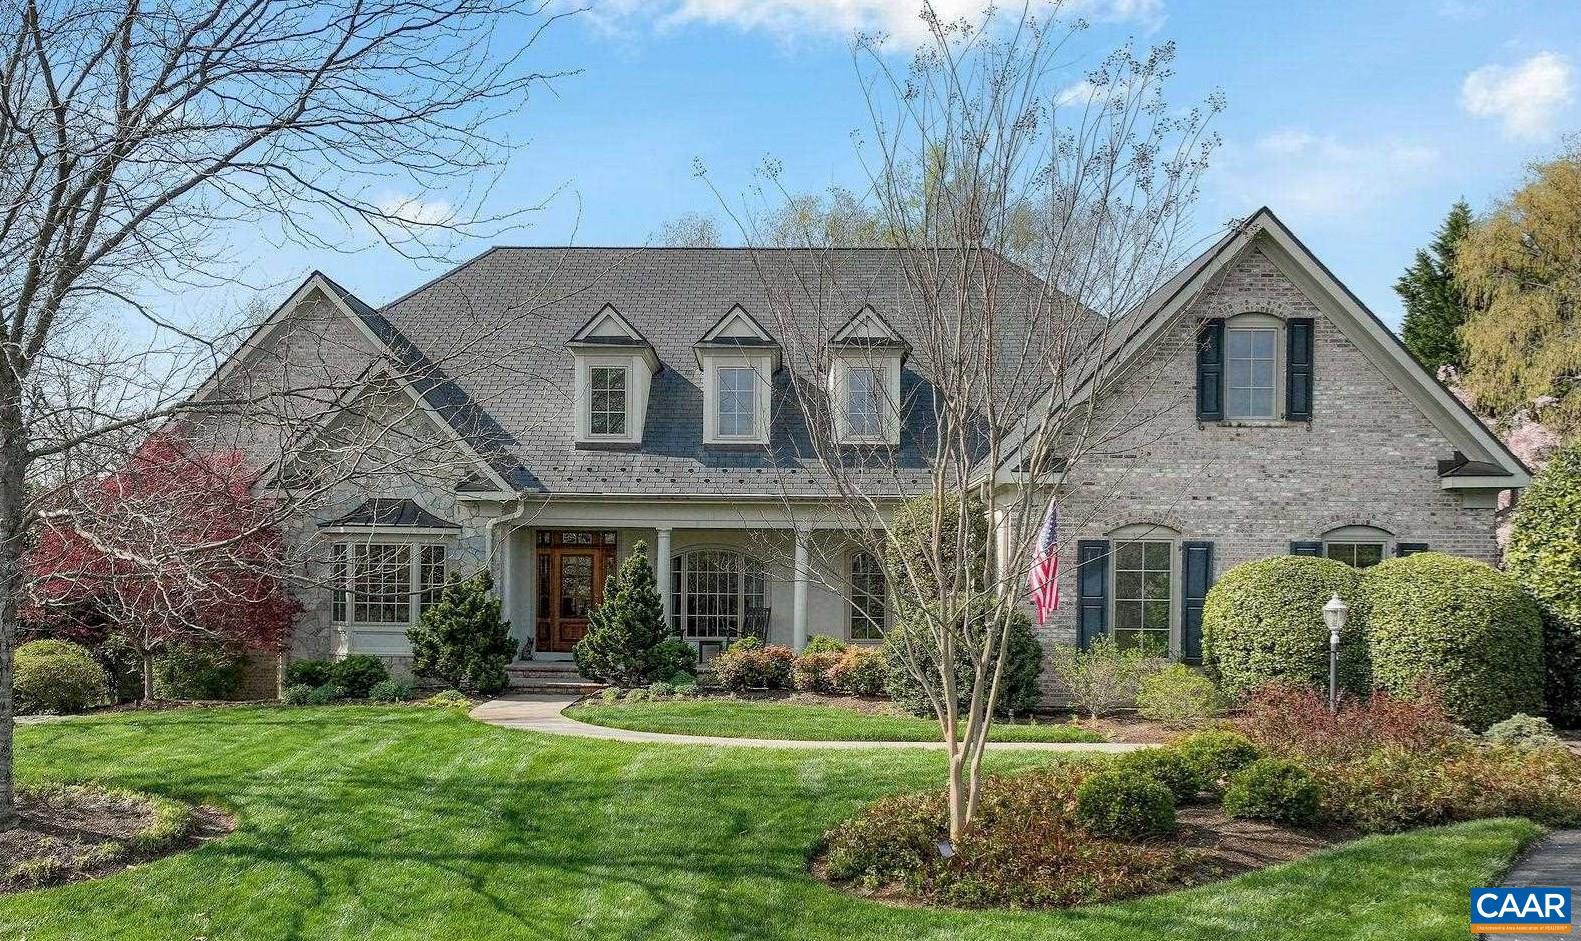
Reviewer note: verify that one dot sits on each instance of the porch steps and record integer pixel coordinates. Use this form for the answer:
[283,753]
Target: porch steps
[549,677]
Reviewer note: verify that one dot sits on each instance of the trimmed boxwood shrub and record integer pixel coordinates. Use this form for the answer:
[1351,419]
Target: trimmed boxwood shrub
[1216,755]
[1263,622]
[389,691]
[1275,789]
[309,673]
[1168,767]
[357,674]
[57,676]
[1466,628]
[1019,691]
[193,672]
[1125,806]
[1544,555]
[1176,694]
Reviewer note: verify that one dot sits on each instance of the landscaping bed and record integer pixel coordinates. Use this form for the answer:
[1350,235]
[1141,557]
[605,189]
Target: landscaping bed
[69,833]
[802,717]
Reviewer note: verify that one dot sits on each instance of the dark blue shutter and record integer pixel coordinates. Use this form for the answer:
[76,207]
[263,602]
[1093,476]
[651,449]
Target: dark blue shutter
[1409,548]
[1210,370]
[1306,548]
[1196,579]
[1298,369]
[1092,590]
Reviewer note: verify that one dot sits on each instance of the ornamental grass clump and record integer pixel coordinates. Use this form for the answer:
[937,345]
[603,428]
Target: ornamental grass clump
[1025,848]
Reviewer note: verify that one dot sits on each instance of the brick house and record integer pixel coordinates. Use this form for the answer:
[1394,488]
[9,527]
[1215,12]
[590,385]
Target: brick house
[614,396]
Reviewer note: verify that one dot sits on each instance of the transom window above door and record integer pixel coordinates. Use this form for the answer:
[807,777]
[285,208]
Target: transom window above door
[1251,383]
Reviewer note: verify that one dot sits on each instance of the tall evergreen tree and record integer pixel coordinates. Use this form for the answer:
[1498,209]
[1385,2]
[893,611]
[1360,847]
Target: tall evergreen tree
[625,631]
[1435,305]
[461,640]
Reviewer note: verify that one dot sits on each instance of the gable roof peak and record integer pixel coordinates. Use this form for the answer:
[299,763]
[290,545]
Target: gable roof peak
[608,327]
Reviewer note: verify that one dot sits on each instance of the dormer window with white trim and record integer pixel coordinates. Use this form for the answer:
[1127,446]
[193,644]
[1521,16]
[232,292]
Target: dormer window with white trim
[615,365]
[864,380]
[738,359]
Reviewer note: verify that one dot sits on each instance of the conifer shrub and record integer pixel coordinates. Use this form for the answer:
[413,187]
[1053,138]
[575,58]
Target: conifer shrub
[461,640]
[627,642]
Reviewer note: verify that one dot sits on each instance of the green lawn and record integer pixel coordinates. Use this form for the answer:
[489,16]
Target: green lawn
[745,718]
[361,822]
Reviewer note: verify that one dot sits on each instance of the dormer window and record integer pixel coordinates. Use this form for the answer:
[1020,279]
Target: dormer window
[615,365]
[607,410]
[864,380]
[738,359]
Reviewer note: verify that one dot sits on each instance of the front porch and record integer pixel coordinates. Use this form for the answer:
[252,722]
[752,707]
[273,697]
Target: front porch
[722,574]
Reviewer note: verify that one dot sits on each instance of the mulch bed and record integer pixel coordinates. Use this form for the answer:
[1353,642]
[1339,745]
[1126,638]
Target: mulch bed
[76,833]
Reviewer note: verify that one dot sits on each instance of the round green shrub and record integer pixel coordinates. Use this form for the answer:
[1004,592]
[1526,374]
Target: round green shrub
[390,691]
[1019,689]
[296,694]
[57,676]
[610,695]
[193,672]
[861,671]
[1166,766]
[811,672]
[687,691]
[1125,806]
[661,690]
[683,678]
[1469,630]
[324,695]
[1274,789]
[1176,694]
[823,643]
[636,695]
[1217,755]
[1523,731]
[357,674]
[308,673]
[1263,622]
[1544,555]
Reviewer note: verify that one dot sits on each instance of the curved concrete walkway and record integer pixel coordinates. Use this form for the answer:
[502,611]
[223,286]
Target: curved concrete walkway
[543,714]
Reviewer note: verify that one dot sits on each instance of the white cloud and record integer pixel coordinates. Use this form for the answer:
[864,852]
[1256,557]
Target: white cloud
[414,211]
[791,19]
[1308,175]
[1527,97]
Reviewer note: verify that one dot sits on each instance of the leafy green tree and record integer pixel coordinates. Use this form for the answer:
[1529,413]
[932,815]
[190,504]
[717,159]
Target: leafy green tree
[1544,555]
[461,640]
[1435,305]
[1521,270]
[627,641]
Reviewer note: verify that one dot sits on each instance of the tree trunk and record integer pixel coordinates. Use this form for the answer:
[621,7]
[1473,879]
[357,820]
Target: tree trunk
[148,677]
[13,509]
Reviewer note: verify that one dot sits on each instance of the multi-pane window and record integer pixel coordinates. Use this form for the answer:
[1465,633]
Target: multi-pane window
[1143,580]
[607,408]
[868,593]
[1359,555]
[737,404]
[385,583]
[1249,387]
[712,589]
[864,401]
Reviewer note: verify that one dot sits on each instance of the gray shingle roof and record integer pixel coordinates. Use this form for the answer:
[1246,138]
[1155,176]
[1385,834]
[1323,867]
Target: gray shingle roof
[388,512]
[495,331]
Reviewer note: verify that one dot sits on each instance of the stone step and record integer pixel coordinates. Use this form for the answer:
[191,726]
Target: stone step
[535,686]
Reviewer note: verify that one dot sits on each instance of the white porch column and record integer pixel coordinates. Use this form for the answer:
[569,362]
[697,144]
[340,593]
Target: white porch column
[799,593]
[661,572]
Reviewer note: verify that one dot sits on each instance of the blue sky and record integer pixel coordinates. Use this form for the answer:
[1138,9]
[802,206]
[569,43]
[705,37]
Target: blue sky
[1357,122]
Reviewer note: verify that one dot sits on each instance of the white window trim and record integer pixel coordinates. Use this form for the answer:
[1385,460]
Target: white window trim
[888,369]
[850,599]
[762,368]
[1258,321]
[625,374]
[679,598]
[346,630]
[636,396]
[1149,532]
[1361,536]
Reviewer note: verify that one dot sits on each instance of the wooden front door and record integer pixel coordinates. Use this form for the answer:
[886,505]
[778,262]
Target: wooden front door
[570,584]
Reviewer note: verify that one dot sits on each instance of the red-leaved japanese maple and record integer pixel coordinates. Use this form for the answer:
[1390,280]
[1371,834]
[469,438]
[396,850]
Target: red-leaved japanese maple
[172,548]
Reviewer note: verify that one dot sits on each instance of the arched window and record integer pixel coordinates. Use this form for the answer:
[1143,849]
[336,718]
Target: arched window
[1357,546]
[868,597]
[714,591]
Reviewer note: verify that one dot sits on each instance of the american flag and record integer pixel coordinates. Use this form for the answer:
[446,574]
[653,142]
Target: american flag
[1044,577]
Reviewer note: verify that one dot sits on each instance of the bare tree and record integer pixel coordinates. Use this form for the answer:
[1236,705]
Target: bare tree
[1032,209]
[136,138]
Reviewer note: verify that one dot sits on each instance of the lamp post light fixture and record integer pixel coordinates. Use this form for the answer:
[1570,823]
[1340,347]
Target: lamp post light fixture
[1334,614]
